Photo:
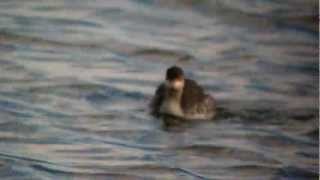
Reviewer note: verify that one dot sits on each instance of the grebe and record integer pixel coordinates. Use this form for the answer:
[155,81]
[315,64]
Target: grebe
[182,97]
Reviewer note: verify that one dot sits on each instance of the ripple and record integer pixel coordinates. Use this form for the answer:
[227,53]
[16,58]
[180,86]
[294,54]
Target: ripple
[76,78]
[166,55]
[292,172]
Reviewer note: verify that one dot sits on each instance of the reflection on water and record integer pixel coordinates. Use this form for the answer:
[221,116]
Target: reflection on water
[76,77]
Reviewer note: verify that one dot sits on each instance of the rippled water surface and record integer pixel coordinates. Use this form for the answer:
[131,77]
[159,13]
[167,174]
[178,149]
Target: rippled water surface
[76,77]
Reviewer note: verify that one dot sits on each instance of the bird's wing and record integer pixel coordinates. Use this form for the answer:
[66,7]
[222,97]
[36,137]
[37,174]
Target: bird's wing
[192,94]
[157,100]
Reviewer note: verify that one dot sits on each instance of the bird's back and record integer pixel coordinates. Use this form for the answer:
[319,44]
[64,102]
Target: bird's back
[195,103]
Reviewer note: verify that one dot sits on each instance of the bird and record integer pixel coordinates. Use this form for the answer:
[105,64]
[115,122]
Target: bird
[181,97]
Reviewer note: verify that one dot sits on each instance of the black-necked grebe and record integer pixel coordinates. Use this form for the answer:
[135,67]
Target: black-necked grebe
[182,97]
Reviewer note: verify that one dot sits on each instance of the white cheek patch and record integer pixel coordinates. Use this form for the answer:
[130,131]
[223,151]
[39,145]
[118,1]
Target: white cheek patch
[175,84]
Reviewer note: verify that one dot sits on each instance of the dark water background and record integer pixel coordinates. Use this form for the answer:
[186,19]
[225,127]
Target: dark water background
[76,77]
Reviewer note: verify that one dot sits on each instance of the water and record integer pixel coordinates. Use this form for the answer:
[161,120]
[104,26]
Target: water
[76,77]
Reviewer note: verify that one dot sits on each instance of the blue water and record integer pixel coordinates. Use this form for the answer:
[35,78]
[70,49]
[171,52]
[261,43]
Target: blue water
[76,77]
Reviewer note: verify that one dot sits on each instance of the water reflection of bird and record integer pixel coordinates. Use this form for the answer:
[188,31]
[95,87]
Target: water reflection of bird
[182,97]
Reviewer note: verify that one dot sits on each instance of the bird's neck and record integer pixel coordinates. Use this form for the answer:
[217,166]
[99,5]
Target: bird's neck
[174,95]
[172,103]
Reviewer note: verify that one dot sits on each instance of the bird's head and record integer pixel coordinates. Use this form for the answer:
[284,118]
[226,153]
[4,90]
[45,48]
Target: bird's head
[175,78]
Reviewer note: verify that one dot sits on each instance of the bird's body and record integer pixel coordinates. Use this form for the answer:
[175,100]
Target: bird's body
[185,100]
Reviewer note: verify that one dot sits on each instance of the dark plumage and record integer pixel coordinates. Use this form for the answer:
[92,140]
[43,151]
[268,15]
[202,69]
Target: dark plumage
[173,73]
[189,101]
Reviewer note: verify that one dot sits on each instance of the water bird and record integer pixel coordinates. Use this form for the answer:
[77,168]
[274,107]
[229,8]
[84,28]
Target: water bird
[182,97]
